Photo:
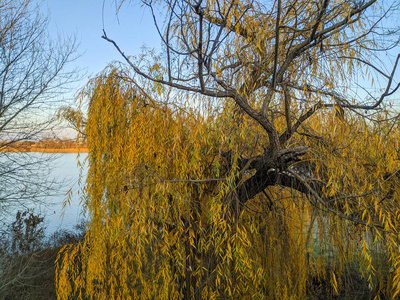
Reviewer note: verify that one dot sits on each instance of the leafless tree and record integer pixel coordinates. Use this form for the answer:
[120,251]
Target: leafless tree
[33,75]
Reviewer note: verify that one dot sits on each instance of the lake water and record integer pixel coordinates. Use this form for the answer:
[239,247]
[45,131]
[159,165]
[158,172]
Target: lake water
[68,170]
[63,170]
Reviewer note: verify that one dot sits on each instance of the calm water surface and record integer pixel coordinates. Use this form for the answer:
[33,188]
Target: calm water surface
[67,170]
[64,170]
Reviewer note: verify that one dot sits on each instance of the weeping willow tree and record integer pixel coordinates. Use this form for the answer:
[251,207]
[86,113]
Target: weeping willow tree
[242,163]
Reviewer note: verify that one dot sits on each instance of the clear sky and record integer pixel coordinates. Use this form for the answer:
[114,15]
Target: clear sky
[132,28]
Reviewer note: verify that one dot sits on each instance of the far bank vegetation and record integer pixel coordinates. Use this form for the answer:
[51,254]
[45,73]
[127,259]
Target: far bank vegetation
[49,145]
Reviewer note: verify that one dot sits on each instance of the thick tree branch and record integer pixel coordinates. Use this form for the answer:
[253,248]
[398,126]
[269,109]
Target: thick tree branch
[264,178]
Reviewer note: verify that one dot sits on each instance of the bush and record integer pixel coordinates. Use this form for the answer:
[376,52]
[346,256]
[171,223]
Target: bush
[27,258]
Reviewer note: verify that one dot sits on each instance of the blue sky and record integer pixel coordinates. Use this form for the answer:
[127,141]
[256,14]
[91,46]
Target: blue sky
[83,19]
[131,29]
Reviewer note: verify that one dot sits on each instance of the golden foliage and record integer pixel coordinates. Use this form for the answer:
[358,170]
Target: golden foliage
[207,192]
[161,197]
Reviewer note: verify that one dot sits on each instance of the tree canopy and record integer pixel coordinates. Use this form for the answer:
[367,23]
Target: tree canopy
[251,159]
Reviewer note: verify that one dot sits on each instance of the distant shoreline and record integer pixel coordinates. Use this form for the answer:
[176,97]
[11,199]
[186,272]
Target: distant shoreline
[45,145]
[47,150]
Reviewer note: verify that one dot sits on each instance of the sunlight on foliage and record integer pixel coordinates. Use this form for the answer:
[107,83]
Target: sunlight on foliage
[245,174]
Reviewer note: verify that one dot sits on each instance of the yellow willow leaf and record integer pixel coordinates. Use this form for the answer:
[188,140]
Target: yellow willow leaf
[396,286]
[363,214]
